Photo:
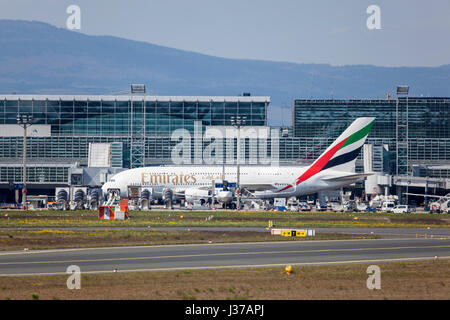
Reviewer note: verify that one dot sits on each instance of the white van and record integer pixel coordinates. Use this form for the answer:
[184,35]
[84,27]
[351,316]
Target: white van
[401,208]
[387,206]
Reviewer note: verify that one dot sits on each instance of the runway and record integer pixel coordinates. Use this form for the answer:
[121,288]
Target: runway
[382,232]
[235,255]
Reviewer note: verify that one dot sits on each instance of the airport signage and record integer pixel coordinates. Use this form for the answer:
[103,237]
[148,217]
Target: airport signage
[294,232]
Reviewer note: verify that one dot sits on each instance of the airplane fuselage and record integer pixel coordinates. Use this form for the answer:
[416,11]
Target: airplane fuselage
[265,181]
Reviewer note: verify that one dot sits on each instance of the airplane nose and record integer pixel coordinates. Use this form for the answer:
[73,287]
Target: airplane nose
[105,187]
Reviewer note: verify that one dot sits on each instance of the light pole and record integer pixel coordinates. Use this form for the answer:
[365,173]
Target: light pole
[24,120]
[402,136]
[237,123]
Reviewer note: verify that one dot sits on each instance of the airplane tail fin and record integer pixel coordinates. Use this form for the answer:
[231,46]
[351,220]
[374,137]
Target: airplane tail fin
[342,153]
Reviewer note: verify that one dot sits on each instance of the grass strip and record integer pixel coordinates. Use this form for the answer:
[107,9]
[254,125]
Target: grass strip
[399,280]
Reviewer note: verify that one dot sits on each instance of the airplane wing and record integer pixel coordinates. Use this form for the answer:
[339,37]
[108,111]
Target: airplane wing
[258,187]
[349,176]
[181,192]
[204,188]
[426,195]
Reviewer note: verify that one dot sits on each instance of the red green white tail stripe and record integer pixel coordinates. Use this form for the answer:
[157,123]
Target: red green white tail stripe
[342,153]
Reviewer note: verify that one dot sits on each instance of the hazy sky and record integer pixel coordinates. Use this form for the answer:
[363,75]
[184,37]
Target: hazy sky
[413,32]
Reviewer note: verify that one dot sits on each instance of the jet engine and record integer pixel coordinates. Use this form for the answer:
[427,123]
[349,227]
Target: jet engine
[62,199]
[167,197]
[146,198]
[94,197]
[79,197]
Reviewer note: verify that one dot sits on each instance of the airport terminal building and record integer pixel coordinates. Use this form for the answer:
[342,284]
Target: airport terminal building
[428,121]
[71,136]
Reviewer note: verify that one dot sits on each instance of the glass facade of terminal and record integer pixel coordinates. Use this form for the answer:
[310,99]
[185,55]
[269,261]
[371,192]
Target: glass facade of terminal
[113,116]
[427,117]
[75,121]
[35,174]
[428,126]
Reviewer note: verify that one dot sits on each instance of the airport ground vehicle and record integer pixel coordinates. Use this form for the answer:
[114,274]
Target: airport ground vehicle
[321,207]
[388,206]
[441,205]
[304,206]
[401,208]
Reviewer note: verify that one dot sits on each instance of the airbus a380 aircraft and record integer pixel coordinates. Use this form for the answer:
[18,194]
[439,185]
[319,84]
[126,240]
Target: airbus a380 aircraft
[335,168]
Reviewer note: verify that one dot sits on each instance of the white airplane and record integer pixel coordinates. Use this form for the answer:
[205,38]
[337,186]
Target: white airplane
[334,169]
